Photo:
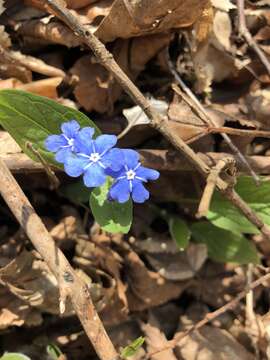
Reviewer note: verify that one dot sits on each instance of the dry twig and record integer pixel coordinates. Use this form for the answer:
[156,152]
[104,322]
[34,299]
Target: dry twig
[213,315]
[243,30]
[210,121]
[74,287]
[211,184]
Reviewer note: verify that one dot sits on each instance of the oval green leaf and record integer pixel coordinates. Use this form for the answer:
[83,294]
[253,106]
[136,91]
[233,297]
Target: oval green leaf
[14,356]
[224,246]
[111,216]
[31,119]
[179,232]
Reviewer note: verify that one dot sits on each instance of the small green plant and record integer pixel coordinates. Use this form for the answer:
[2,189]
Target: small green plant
[132,348]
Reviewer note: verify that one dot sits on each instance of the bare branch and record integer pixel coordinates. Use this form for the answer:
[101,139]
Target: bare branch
[74,287]
[243,31]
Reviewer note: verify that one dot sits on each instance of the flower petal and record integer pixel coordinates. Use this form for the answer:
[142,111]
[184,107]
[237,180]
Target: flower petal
[63,154]
[83,142]
[94,176]
[74,165]
[139,192]
[104,143]
[113,159]
[55,142]
[120,191]
[115,174]
[147,174]
[131,158]
[70,128]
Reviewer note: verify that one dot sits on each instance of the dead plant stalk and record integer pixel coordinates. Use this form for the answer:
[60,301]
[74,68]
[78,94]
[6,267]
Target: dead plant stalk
[105,58]
[70,284]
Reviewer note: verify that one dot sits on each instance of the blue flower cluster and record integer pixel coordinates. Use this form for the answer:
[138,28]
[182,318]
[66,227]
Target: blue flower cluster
[97,158]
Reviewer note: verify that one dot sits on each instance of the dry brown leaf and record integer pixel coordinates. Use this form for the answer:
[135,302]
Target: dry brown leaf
[49,31]
[211,343]
[45,87]
[211,64]
[156,339]
[29,278]
[135,18]
[77,4]
[147,288]
[96,89]
[15,312]
[4,37]
[258,103]
[67,231]
[98,256]
[222,30]
[182,265]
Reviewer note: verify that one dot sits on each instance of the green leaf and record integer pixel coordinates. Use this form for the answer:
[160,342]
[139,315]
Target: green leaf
[179,232]
[14,356]
[31,118]
[53,351]
[111,216]
[223,245]
[131,349]
[224,215]
[76,192]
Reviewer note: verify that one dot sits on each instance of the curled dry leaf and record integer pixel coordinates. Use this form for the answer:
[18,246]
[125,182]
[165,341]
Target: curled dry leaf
[15,312]
[97,256]
[29,279]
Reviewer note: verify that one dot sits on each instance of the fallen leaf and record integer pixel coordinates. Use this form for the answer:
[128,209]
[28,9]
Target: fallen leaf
[137,116]
[211,343]
[96,89]
[127,19]
[180,266]
[156,339]
[148,288]
[15,312]
[222,30]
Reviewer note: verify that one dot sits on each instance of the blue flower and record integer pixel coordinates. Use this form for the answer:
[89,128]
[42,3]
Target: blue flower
[130,179]
[64,144]
[93,157]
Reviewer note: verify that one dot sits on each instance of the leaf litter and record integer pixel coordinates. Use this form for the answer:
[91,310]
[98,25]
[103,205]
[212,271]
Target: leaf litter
[141,283]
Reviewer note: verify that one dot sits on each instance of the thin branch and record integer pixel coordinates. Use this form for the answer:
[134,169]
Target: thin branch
[74,287]
[213,315]
[211,184]
[243,31]
[162,160]
[209,120]
[161,124]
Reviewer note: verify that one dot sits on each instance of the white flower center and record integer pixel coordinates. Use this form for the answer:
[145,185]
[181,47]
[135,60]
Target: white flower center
[95,157]
[70,142]
[130,174]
